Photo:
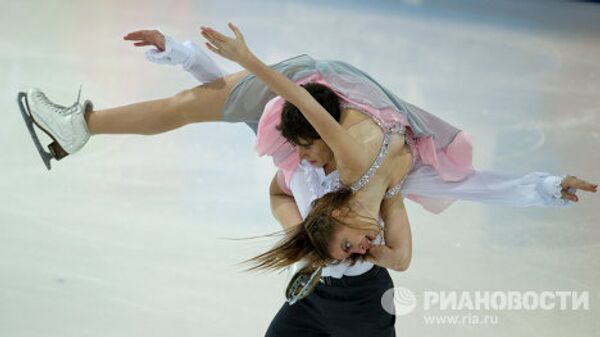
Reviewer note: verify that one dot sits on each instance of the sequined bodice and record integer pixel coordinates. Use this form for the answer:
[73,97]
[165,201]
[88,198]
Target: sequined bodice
[360,183]
[383,150]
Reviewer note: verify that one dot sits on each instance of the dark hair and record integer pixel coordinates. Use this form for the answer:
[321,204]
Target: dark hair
[294,125]
[311,239]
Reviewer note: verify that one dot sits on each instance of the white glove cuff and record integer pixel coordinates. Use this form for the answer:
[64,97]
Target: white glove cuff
[550,186]
[175,53]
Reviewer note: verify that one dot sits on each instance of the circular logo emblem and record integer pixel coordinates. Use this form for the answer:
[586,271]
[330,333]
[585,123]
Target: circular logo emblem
[398,301]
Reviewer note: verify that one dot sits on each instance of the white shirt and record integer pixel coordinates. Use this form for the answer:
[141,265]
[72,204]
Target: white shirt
[534,189]
[309,183]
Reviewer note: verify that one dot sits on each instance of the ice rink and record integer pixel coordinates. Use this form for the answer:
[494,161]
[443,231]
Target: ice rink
[129,237]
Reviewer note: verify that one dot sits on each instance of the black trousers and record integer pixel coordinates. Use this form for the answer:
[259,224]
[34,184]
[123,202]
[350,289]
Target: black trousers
[346,307]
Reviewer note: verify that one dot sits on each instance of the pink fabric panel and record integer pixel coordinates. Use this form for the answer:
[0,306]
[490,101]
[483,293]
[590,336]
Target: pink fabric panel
[454,162]
[433,205]
[386,117]
[269,140]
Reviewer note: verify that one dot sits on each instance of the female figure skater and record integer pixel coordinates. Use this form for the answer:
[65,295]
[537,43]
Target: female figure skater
[373,147]
[329,150]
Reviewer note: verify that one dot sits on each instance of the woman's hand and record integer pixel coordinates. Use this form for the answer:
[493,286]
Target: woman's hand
[147,38]
[234,49]
[575,183]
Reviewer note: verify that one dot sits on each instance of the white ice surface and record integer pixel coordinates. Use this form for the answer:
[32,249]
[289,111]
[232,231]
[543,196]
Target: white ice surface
[125,237]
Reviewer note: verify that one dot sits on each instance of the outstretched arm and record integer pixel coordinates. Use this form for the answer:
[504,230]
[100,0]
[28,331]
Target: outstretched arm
[533,189]
[168,51]
[333,134]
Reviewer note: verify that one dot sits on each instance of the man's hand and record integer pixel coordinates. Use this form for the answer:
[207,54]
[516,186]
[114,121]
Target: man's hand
[147,38]
[575,183]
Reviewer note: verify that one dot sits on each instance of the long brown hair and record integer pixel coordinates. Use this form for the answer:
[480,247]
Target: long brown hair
[310,240]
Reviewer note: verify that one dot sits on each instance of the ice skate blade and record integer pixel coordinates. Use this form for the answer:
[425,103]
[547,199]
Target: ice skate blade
[56,151]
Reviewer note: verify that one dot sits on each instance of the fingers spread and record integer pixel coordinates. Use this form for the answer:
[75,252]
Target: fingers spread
[236,31]
[218,35]
[212,48]
[210,38]
[214,34]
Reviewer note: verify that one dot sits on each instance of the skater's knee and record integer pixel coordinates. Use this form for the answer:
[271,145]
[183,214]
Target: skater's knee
[185,101]
[202,103]
[183,97]
[205,102]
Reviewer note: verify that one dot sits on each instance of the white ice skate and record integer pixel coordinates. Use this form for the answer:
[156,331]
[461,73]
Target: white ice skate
[65,125]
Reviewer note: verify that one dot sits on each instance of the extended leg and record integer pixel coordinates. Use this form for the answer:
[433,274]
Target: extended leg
[71,127]
[203,103]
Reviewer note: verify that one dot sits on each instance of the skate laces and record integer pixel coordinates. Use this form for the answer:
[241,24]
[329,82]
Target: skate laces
[56,108]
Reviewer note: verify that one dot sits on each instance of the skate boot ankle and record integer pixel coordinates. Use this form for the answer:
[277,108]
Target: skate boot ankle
[65,125]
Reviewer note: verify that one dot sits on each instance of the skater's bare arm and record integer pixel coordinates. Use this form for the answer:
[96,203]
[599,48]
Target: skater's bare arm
[397,251]
[345,148]
[283,206]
